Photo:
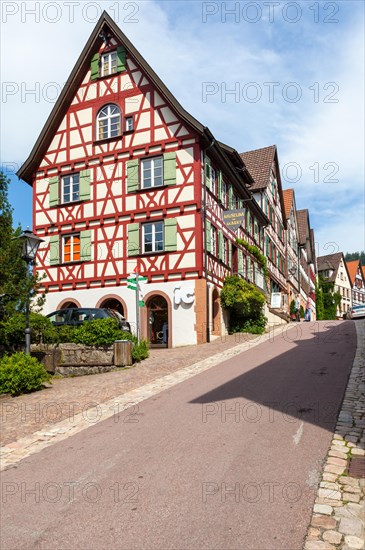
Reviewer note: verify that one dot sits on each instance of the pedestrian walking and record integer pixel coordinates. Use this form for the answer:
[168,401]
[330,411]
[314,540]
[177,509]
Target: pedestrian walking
[307,316]
[297,309]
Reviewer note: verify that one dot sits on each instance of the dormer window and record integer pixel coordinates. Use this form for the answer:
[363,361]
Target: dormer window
[108,122]
[109,63]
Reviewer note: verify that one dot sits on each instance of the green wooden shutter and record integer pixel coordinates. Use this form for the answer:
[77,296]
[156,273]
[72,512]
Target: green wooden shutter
[249,269]
[53,191]
[240,261]
[208,232]
[54,250]
[169,168]
[133,239]
[85,185]
[95,71]
[229,245]
[267,247]
[207,172]
[132,175]
[121,59]
[220,245]
[170,231]
[230,197]
[220,185]
[85,246]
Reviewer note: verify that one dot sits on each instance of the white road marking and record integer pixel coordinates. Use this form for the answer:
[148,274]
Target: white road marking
[298,436]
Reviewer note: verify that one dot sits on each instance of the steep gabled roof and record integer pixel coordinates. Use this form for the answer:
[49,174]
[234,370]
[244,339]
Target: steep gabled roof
[332,261]
[303,226]
[259,163]
[288,195]
[227,156]
[352,268]
[75,79]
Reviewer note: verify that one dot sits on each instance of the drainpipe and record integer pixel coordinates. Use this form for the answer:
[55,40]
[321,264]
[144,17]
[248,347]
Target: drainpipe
[205,241]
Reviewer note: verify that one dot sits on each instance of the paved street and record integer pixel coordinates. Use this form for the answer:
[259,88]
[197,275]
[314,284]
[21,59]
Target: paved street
[229,458]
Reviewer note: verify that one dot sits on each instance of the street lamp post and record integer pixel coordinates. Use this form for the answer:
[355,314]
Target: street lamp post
[30,244]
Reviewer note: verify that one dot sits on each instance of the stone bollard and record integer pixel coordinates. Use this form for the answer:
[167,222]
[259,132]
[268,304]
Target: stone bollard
[123,353]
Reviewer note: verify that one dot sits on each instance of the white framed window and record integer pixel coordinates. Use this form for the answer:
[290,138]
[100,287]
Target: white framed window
[109,63]
[152,172]
[129,124]
[213,240]
[71,248]
[108,122]
[70,188]
[153,237]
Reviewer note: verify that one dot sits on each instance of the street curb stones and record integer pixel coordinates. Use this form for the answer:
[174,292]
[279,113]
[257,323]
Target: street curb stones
[338,513]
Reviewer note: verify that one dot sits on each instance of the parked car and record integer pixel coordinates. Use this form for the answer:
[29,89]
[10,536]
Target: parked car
[356,311]
[76,316]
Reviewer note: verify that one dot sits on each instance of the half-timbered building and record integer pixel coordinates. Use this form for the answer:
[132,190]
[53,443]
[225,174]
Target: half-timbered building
[125,179]
[308,262]
[358,282]
[263,164]
[292,245]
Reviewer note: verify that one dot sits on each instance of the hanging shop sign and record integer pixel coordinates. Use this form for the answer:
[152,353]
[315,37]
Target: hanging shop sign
[234,218]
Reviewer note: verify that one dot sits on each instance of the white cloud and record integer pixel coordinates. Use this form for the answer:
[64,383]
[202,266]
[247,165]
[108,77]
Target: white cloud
[186,53]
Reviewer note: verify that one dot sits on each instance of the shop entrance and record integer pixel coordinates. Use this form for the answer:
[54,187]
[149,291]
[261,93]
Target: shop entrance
[158,322]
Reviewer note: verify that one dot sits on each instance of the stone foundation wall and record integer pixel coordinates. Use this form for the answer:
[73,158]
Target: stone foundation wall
[78,360]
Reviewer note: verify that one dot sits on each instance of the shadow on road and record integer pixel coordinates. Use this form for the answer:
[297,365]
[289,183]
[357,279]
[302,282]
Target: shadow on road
[304,378]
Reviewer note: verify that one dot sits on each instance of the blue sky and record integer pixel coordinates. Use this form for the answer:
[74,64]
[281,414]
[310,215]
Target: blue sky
[294,69]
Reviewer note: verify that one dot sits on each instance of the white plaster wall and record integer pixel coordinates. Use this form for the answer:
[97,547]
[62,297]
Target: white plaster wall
[183,316]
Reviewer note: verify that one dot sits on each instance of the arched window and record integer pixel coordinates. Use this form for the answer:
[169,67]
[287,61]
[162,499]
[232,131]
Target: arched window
[108,122]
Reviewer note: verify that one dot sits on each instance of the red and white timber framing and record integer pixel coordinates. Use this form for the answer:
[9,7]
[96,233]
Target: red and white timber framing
[158,128]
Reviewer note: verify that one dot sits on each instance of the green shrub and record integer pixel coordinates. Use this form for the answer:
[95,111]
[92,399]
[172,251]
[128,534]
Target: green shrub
[140,351]
[12,330]
[103,332]
[65,334]
[301,312]
[20,373]
[245,304]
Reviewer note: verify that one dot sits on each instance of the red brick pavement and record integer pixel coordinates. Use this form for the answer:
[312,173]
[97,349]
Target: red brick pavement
[26,414]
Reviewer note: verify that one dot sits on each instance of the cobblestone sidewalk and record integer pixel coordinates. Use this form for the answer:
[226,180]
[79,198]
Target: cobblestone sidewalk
[338,513]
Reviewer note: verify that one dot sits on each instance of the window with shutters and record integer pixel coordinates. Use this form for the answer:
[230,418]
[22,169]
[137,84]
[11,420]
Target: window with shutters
[70,188]
[152,172]
[153,237]
[71,248]
[108,123]
[109,63]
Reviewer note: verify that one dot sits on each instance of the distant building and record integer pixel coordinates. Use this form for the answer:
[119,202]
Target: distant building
[292,244]
[308,261]
[333,269]
[263,164]
[356,274]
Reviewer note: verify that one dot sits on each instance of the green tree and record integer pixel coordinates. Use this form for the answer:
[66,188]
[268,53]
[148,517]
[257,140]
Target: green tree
[327,300]
[16,285]
[349,256]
